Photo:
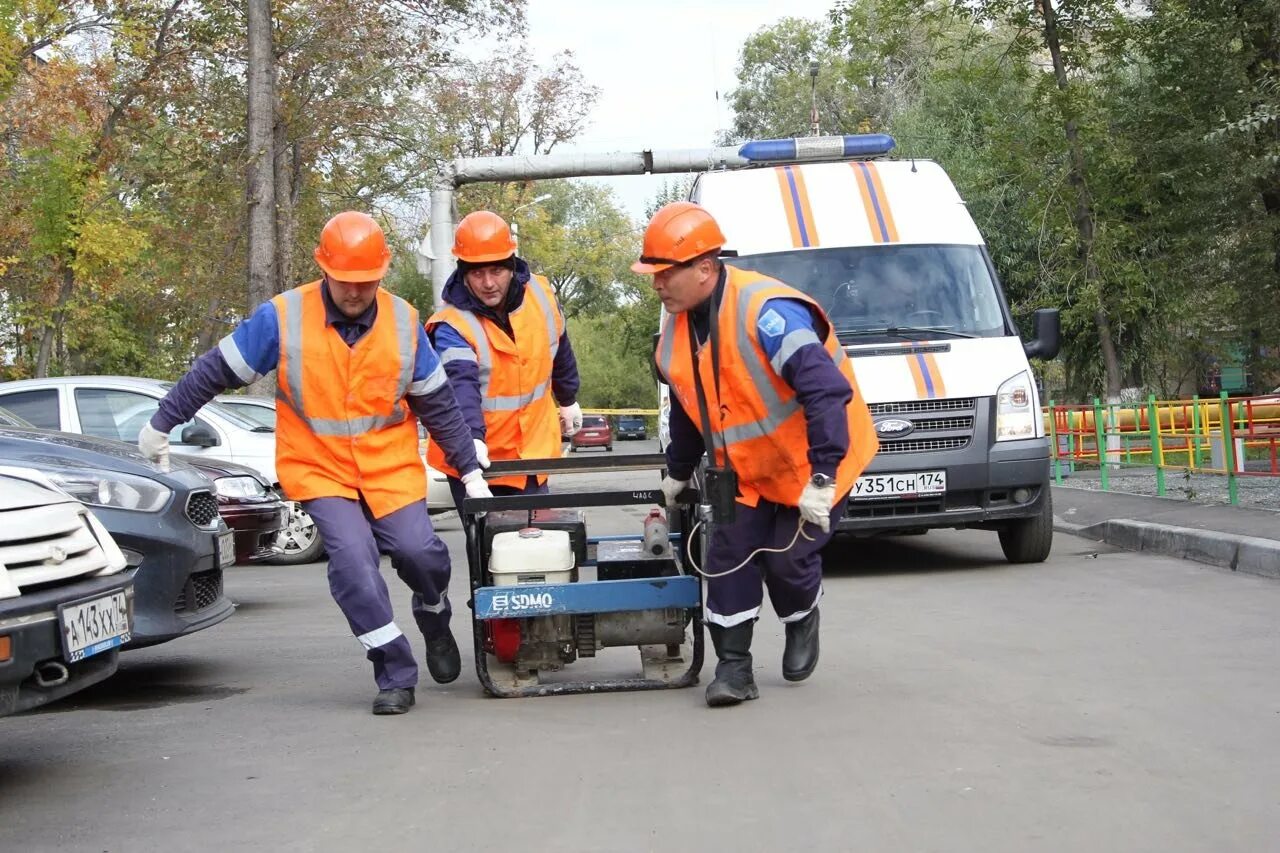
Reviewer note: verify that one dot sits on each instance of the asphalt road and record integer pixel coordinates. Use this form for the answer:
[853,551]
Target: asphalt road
[1100,701]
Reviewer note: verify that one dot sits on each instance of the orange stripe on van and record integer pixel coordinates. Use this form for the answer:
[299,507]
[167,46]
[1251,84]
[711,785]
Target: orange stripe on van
[890,229]
[788,205]
[922,390]
[931,364]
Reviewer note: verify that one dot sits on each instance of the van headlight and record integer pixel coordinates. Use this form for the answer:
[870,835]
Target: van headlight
[1015,417]
[239,487]
[111,489]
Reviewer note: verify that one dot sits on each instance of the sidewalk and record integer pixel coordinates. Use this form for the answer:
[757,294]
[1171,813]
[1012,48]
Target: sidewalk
[1238,538]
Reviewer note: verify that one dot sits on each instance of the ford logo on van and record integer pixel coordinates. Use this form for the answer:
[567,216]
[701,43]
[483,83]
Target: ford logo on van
[894,428]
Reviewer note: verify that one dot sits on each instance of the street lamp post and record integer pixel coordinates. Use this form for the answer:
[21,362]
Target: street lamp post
[515,225]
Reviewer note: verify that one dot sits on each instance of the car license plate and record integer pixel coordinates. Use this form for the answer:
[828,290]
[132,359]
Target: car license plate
[911,485]
[226,548]
[94,625]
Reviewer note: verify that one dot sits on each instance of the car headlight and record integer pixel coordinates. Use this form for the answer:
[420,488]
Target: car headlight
[1014,415]
[238,487]
[111,489]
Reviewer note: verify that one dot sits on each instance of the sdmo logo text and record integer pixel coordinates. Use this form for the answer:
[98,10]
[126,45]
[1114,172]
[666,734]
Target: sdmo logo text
[516,602]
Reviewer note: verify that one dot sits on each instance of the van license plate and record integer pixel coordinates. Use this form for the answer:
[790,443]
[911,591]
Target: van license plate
[226,548]
[94,625]
[874,486]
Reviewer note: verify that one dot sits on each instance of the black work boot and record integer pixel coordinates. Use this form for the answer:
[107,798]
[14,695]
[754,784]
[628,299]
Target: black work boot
[397,700]
[734,682]
[801,654]
[443,660]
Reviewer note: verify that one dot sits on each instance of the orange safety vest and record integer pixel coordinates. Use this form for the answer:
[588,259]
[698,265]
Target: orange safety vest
[343,428]
[520,417]
[759,419]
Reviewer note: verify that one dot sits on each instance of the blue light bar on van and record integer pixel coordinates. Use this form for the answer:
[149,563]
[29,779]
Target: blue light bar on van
[818,147]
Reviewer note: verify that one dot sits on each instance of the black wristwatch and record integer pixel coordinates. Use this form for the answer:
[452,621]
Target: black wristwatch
[821,480]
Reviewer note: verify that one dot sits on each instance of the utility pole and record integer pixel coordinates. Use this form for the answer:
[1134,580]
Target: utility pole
[260,167]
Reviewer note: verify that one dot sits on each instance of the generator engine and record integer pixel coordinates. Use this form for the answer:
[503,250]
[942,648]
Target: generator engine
[548,547]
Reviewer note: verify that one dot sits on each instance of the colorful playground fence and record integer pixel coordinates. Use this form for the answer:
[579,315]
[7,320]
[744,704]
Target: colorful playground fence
[1231,436]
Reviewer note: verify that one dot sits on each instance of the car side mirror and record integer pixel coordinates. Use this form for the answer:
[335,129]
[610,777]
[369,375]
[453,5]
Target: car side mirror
[200,436]
[1048,340]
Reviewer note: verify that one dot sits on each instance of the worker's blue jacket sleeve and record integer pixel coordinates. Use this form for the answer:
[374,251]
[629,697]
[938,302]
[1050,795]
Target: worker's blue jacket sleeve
[248,353]
[686,447]
[791,335]
[463,370]
[564,371]
[432,399]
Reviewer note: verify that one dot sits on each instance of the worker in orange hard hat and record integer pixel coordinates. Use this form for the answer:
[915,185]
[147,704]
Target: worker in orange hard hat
[504,344]
[760,383]
[355,372]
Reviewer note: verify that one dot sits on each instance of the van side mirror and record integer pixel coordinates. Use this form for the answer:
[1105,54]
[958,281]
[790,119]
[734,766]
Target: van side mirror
[1048,340]
[200,436]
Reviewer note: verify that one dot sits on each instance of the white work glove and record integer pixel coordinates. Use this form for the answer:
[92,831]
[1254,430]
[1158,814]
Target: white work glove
[482,453]
[570,419]
[154,445]
[816,503]
[475,485]
[672,488]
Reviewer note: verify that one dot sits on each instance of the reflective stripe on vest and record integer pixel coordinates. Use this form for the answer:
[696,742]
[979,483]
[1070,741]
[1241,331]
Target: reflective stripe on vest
[777,410]
[483,355]
[291,341]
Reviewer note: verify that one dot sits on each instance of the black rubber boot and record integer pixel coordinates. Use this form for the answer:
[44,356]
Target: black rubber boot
[800,657]
[734,682]
[443,660]
[398,700]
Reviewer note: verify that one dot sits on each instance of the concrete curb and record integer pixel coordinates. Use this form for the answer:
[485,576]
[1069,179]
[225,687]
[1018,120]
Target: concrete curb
[1248,554]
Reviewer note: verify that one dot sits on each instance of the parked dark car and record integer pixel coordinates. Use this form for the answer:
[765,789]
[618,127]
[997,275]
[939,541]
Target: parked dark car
[248,505]
[631,426]
[167,524]
[595,432]
[66,598]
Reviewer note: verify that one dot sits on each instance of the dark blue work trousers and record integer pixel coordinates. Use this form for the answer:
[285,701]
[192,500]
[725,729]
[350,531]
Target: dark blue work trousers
[355,541]
[793,578]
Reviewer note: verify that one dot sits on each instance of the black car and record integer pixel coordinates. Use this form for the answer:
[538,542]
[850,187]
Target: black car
[249,506]
[167,525]
[631,426]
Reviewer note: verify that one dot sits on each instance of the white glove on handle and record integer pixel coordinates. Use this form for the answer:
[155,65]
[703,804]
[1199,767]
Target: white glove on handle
[570,419]
[482,453]
[671,488]
[816,503]
[154,445]
[475,485]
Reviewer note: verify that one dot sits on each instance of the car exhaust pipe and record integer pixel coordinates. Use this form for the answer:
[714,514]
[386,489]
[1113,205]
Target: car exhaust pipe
[51,673]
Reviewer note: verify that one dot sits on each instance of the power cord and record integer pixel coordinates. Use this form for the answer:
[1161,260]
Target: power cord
[688,548]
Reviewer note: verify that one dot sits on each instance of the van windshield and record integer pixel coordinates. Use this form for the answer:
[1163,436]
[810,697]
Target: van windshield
[893,291]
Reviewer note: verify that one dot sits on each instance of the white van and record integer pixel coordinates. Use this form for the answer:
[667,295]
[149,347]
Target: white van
[889,250]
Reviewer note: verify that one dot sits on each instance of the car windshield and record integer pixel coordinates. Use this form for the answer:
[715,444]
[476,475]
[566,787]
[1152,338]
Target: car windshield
[593,421]
[236,418]
[893,291]
[8,418]
[630,423]
[261,415]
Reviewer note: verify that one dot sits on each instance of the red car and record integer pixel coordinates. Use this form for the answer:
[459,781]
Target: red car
[248,504]
[595,432]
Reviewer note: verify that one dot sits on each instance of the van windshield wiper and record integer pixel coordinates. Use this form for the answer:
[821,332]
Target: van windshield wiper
[905,332]
[263,429]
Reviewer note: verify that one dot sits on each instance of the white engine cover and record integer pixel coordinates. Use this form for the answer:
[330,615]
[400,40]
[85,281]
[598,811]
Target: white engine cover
[531,555]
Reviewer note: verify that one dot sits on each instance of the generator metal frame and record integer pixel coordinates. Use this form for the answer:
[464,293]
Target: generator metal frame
[683,591]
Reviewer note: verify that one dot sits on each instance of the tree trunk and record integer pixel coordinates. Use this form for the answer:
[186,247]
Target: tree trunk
[261,163]
[50,333]
[286,189]
[1084,218]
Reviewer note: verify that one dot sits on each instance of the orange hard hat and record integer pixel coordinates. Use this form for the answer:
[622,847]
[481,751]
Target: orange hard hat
[482,238]
[353,248]
[678,232]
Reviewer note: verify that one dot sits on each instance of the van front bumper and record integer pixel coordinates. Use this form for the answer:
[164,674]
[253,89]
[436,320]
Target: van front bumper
[986,486]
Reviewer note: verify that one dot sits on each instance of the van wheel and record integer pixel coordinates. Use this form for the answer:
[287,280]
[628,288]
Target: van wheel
[1029,540]
[299,540]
